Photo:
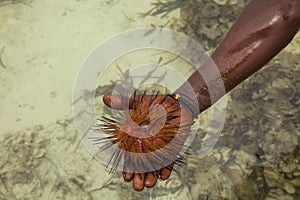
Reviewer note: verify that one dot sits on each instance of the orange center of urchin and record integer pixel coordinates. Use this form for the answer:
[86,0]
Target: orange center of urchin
[144,129]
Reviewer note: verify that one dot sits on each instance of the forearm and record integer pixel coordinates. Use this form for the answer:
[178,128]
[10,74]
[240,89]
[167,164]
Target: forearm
[263,29]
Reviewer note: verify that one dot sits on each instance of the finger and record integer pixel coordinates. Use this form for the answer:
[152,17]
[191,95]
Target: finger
[127,168]
[138,181]
[150,180]
[117,101]
[127,176]
[166,172]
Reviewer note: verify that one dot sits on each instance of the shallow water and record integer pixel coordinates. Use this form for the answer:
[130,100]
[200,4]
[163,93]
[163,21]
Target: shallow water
[42,46]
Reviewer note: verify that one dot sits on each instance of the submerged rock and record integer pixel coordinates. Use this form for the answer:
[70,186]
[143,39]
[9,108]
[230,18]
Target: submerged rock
[220,2]
[289,188]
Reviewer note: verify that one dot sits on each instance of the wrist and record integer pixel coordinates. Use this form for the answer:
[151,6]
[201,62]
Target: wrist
[186,102]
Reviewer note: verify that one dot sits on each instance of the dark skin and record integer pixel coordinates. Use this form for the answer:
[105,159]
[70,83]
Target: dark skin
[262,30]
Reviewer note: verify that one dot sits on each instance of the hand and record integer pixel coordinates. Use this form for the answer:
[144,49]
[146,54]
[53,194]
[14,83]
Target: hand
[183,119]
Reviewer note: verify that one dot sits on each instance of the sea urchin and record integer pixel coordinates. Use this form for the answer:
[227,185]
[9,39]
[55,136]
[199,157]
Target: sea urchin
[147,134]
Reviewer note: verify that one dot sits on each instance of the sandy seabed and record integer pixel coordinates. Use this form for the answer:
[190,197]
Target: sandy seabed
[43,44]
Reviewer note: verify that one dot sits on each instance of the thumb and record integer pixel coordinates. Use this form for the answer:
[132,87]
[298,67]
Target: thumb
[117,101]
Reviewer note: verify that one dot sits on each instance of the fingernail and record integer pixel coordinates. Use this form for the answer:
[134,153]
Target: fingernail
[107,99]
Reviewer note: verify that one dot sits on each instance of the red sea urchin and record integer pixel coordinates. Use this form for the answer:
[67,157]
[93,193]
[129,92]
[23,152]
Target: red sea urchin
[147,135]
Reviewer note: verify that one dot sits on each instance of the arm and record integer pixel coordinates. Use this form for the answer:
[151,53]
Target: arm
[263,29]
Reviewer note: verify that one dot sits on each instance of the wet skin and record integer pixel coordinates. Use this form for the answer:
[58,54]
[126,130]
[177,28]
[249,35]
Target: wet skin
[262,30]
